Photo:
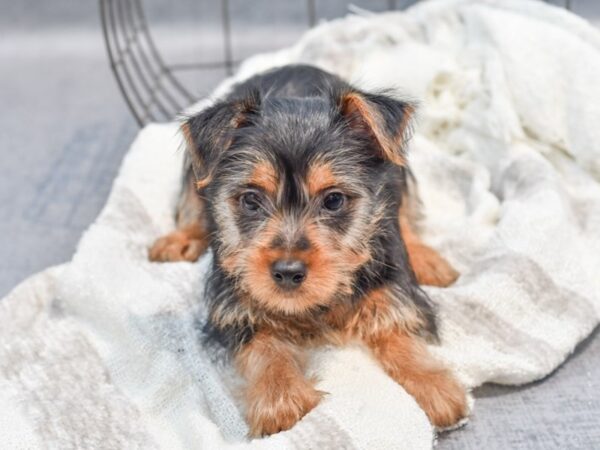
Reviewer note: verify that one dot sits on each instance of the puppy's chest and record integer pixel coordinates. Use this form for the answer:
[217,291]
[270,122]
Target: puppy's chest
[337,325]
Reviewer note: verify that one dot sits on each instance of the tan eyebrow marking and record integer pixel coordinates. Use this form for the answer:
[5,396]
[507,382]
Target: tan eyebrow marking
[320,176]
[265,177]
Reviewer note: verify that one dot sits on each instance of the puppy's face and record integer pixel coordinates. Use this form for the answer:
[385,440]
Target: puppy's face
[296,195]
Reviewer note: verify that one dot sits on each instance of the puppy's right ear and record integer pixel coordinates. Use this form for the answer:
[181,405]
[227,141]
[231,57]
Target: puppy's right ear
[381,119]
[210,133]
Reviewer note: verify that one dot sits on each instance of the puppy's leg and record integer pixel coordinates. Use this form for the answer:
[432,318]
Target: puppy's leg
[190,239]
[277,393]
[406,359]
[428,265]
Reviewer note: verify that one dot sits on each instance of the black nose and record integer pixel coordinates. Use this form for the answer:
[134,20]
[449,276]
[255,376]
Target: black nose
[288,274]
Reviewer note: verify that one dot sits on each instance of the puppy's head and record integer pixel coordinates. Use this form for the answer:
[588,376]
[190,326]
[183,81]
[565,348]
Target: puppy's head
[296,190]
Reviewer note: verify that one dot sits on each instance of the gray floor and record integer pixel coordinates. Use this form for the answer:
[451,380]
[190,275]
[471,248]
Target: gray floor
[64,129]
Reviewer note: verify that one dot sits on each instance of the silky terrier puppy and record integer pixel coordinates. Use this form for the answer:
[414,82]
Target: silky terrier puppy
[299,184]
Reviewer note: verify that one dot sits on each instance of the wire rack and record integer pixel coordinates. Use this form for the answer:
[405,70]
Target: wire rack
[154,90]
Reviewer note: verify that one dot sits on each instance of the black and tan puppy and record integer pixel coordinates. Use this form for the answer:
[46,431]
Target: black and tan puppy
[299,184]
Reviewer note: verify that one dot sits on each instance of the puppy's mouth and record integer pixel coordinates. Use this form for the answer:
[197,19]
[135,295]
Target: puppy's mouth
[294,296]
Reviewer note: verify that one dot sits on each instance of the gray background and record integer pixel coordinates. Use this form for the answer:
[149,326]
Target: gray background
[64,129]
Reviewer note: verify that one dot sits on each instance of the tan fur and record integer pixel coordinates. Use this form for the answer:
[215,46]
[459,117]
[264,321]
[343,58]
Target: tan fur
[277,393]
[406,359]
[378,311]
[264,177]
[355,105]
[320,177]
[328,270]
[429,266]
[184,244]
[201,184]
[190,239]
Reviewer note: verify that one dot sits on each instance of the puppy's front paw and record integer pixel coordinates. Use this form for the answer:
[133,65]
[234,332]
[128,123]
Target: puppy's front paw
[274,407]
[442,398]
[176,246]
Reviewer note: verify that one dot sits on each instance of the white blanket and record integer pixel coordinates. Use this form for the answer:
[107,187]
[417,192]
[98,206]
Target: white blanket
[103,352]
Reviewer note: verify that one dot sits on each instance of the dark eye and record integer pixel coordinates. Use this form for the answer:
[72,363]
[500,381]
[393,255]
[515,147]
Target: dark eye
[250,202]
[334,201]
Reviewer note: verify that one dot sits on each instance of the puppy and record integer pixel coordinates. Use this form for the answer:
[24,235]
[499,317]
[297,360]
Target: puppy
[299,184]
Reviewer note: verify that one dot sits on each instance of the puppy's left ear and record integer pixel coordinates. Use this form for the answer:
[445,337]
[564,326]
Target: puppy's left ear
[211,132]
[382,119]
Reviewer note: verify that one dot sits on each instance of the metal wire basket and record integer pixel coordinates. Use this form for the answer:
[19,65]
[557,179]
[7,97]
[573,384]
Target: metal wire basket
[156,90]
